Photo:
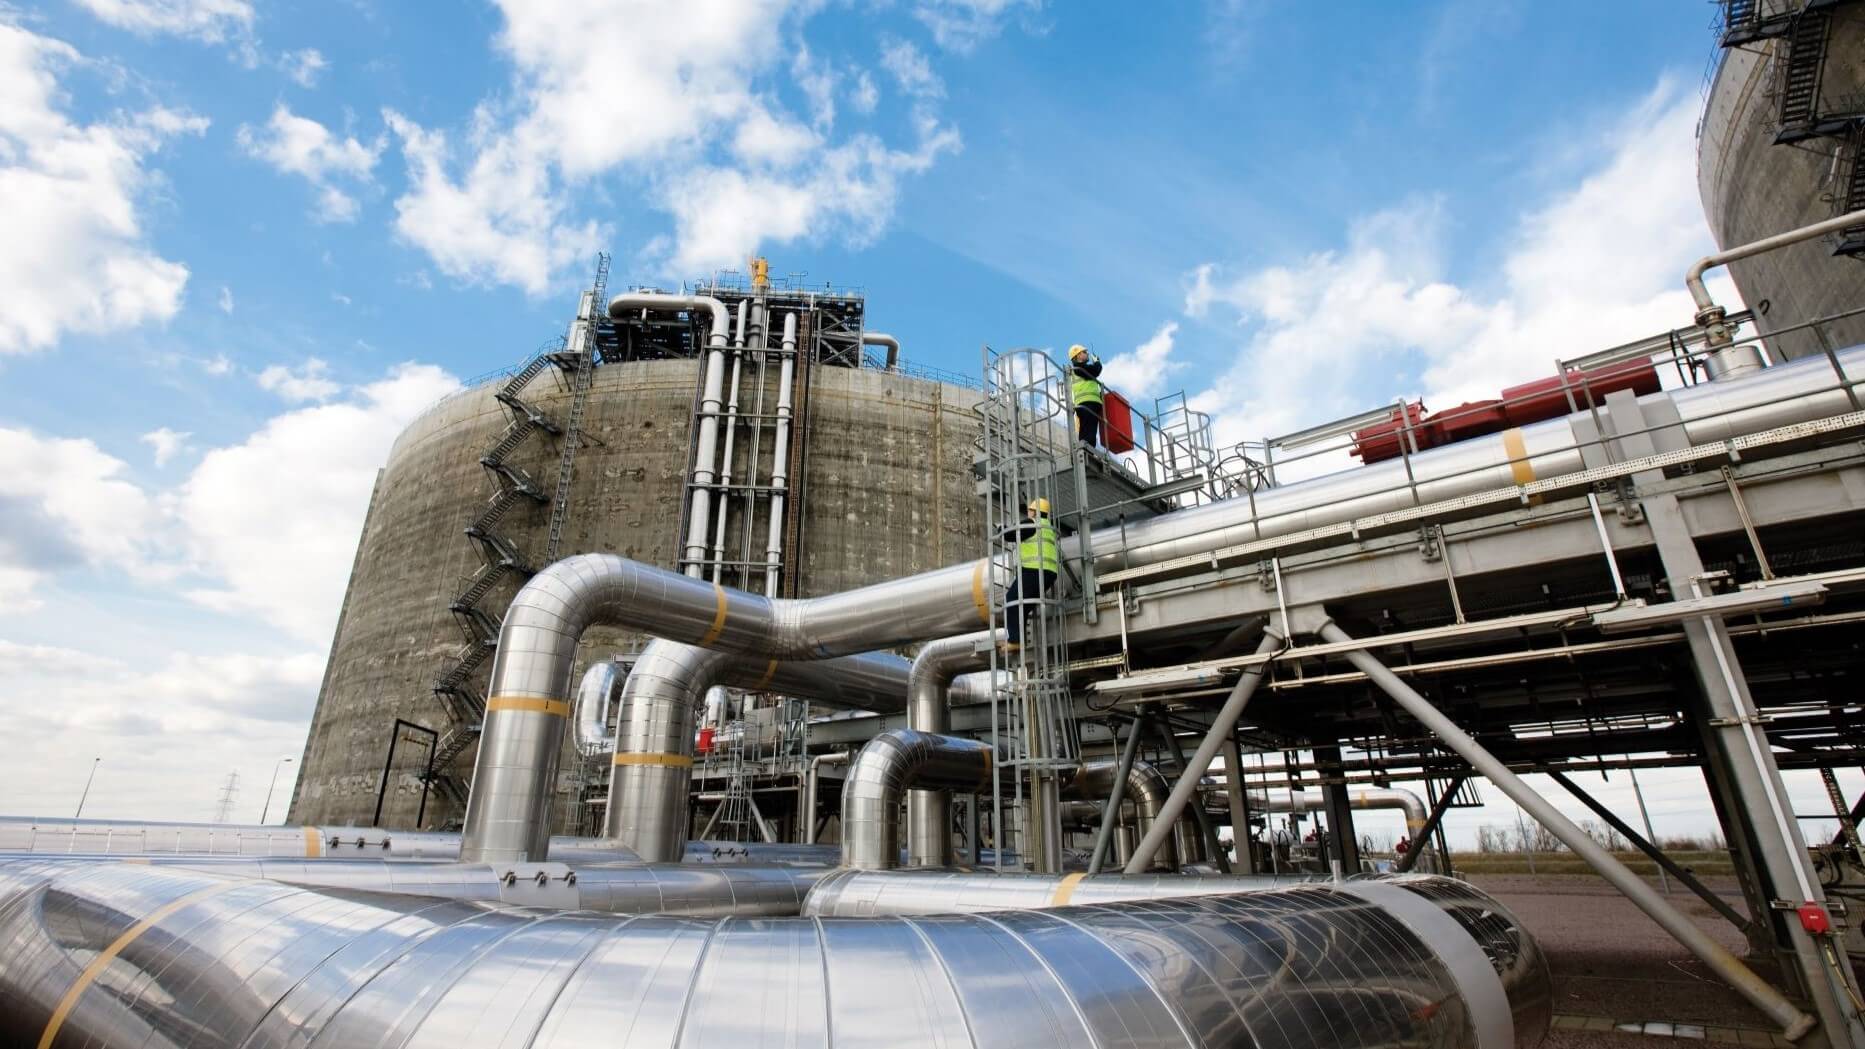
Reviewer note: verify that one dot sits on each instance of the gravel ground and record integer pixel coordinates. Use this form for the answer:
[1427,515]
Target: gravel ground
[1610,961]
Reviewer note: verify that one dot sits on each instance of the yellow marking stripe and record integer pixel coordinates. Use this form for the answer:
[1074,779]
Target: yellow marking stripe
[1519,467]
[977,594]
[117,946]
[718,618]
[313,842]
[769,673]
[1066,890]
[672,761]
[534,704]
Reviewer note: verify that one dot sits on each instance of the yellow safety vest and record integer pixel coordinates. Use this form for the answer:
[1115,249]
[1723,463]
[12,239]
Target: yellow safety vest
[1085,391]
[1040,550]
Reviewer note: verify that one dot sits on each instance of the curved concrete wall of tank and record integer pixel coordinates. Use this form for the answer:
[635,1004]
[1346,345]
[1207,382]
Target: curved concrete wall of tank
[1752,188]
[870,515]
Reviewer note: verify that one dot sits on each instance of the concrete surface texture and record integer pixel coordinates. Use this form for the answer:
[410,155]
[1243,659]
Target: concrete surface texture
[1752,188]
[1614,968]
[886,488]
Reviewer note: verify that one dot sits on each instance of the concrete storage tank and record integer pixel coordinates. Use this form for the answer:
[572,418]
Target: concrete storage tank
[1779,148]
[883,490]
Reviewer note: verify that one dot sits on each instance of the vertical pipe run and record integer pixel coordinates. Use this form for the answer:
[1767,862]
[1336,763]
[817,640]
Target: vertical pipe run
[731,437]
[1771,1002]
[1221,727]
[780,456]
[938,664]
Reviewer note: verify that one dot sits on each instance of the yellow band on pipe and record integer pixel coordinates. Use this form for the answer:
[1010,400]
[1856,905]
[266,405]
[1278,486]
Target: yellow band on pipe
[718,618]
[1520,469]
[533,704]
[1066,890]
[769,673]
[672,761]
[117,946]
[977,593]
[313,842]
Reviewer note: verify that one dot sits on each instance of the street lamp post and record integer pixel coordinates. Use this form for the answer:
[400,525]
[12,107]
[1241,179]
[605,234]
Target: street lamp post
[87,788]
[267,811]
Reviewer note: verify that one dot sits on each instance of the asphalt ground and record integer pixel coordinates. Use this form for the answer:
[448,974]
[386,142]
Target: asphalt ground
[1612,965]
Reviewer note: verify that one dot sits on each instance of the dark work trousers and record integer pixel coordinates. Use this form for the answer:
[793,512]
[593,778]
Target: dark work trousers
[1088,424]
[1033,583]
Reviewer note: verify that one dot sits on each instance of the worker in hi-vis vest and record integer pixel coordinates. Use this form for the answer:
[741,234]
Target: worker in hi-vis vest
[1086,390]
[1039,559]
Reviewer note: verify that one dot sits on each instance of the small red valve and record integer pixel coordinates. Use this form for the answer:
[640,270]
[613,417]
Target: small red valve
[1814,919]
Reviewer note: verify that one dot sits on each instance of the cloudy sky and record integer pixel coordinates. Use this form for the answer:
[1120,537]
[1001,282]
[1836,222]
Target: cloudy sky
[244,242]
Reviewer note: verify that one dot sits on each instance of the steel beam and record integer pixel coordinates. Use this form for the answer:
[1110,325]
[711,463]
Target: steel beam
[1442,806]
[1343,842]
[1758,991]
[1110,816]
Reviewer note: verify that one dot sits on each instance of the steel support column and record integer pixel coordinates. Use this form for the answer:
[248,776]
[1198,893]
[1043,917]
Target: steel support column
[1110,816]
[1239,806]
[1343,842]
[1432,822]
[1738,740]
[1213,849]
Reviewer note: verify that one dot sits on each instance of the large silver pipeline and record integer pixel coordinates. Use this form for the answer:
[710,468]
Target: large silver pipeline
[595,693]
[935,667]
[1146,790]
[660,700]
[1358,798]
[537,643]
[849,893]
[780,457]
[712,388]
[741,890]
[888,766]
[125,956]
[875,338]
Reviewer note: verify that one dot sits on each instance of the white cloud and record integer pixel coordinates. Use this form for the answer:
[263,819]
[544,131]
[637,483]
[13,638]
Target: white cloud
[75,257]
[218,364]
[304,65]
[496,204]
[309,381]
[301,484]
[1142,371]
[960,25]
[911,70]
[226,299]
[865,96]
[296,145]
[1341,330]
[165,444]
[209,21]
[69,504]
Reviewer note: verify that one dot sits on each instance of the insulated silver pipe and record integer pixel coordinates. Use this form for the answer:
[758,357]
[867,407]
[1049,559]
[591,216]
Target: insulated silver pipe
[1725,965]
[1358,798]
[740,890]
[1727,360]
[1145,788]
[888,766]
[837,757]
[537,643]
[712,387]
[211,962]
[594,695]
[849,893]
[938,663]
[875,338]
[731,435]
[780,457]
[660,700]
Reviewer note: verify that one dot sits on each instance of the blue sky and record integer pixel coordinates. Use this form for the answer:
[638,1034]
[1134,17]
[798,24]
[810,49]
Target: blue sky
[248,241]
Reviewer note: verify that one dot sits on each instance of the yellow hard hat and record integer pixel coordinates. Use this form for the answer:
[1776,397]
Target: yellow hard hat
[1077,350]
[1039,506]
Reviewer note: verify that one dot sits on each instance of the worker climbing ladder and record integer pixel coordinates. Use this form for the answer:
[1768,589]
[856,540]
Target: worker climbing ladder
[1027,449]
